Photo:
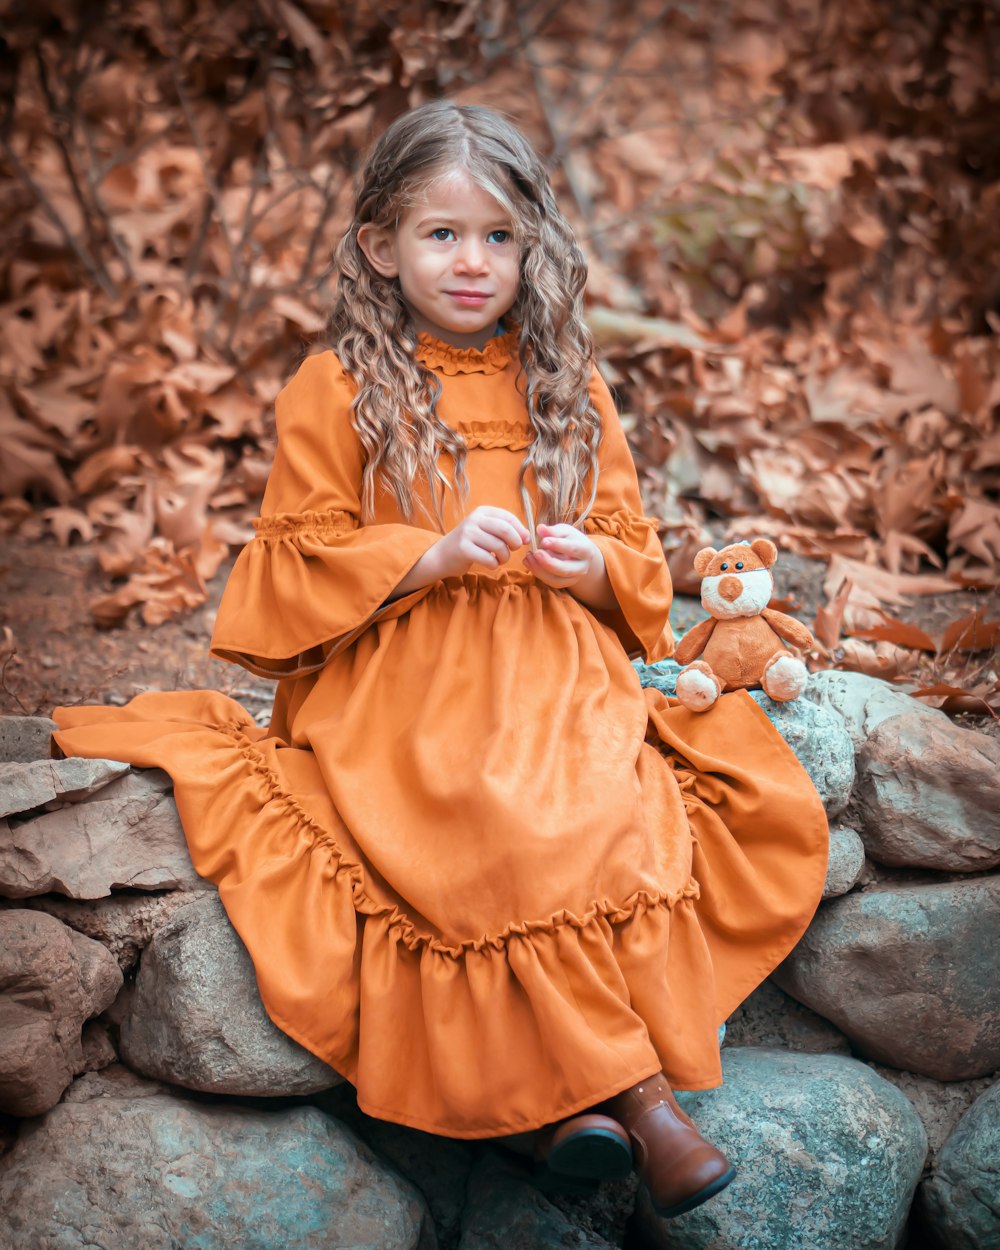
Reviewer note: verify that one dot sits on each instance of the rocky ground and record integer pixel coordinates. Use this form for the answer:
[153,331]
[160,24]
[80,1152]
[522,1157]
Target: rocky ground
[142,1106]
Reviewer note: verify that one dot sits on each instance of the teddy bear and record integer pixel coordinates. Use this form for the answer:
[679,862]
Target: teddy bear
[741,645]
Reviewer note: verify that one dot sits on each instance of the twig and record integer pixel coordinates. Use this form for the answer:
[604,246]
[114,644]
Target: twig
[3,682]
[77,248]
[561,155]
[59,128]
[94,184]
[210,180]
[324,216]
[246,235]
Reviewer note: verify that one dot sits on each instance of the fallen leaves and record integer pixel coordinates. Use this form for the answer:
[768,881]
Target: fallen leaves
[793,219]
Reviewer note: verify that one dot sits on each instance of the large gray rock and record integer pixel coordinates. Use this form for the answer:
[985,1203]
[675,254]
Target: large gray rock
[961,1199]
[124,923]
[195,1017]
[132,1166]
[27,786]
[862,702]
[24,738]
[928,794]
[821,744]
[827,1155]
[927,790]
[816,734]
[911,973]
[126,836]
[439,1167]
[51,981]
[503,1211]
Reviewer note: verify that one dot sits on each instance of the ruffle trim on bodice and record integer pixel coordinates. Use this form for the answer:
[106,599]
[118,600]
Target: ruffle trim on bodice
[351,875]
[489,435]
[493,357]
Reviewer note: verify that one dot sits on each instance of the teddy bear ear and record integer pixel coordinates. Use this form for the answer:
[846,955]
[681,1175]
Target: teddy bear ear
[765,550]
[703,559]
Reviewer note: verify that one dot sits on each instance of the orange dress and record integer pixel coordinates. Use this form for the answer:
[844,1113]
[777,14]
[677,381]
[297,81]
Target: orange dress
[479,870]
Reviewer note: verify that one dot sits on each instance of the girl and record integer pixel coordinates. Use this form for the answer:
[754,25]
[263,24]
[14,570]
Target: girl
[481,872]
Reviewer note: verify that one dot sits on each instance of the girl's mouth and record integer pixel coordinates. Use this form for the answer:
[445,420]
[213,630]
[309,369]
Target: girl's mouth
[472,298]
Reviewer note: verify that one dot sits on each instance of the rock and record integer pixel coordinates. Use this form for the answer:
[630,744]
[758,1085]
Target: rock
[820,742]
[770,1018]
[25,738]
[816,734]
[660,676]
[911,973]
[196,1019]
[24,787]
[828,1155]
[439,1167]
[126,836]
[927,790]
[862,702]
[960,1199]
[503,1211]
[98,1048]
[132,1166]
[847,862]
[51,981]
[124,923]
[940,1104]
[929,794]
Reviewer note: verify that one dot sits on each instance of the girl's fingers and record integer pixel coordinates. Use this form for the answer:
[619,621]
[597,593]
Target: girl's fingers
[499,520]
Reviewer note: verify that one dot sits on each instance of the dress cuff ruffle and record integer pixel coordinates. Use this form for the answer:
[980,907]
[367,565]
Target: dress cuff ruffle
[639,577]
[308,585]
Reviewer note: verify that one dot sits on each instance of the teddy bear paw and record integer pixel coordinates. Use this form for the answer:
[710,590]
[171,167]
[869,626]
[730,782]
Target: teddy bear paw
[698,687]
[784,678]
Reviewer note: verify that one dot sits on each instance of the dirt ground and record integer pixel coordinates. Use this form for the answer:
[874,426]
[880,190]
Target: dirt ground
[60,657]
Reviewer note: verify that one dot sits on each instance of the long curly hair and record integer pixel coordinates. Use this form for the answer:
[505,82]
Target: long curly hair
[395,408]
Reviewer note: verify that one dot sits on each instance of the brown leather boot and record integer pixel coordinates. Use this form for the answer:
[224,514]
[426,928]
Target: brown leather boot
[679,1167]
[589,1146]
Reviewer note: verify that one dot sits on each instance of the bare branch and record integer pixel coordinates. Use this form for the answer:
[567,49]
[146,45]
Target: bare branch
[210,179]
[72,242]
[60,129]
[560,152]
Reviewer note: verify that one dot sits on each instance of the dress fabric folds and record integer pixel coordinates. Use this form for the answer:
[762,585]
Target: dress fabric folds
[479,870]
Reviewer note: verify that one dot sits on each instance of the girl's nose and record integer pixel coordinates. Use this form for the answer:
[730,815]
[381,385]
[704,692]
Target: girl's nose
[471,256]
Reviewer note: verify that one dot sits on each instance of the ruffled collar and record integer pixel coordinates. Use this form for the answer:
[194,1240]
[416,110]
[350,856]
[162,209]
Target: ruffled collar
[493,357]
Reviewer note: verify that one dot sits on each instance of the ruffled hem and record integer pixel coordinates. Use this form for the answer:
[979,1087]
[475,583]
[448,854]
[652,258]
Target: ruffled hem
[494,356]
[397,923]
[494,1035]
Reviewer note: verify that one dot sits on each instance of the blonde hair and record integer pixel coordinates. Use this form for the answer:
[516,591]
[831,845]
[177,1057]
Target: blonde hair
[395,408]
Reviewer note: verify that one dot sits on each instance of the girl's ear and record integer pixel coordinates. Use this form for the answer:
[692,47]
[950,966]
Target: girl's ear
[379,246]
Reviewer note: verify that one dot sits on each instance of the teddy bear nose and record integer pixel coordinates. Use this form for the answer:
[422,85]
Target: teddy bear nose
[730,588]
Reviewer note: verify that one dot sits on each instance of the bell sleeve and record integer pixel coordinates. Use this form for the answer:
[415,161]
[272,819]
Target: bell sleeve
[313,577]
[633,555]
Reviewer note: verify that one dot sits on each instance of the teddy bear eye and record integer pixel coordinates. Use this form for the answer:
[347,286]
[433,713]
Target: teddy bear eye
[739,564]
[723,567]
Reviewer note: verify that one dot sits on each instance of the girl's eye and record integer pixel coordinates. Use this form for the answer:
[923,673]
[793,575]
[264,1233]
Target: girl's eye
[498,236]
[442,234]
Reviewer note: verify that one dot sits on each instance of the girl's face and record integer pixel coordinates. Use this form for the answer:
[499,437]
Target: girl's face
[455,257]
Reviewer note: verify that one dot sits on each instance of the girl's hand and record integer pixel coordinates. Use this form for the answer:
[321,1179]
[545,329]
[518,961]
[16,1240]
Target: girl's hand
[486,536]
[566,559]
